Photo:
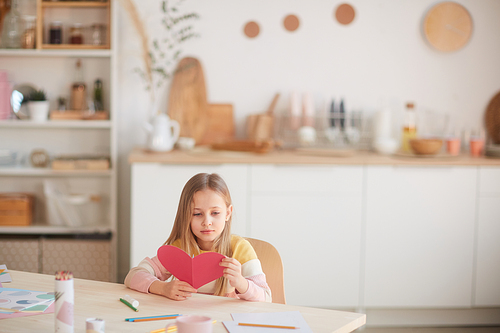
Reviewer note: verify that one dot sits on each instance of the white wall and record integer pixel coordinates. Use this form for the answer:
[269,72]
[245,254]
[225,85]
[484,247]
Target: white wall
[380,56]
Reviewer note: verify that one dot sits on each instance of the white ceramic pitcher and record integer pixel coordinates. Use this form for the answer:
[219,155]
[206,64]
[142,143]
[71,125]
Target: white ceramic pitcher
[163,133]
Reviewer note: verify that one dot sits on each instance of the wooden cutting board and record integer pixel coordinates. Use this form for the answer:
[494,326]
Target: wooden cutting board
[220,124]
[187,103]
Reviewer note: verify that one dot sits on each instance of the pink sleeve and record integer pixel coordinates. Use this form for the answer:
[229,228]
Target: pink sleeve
[258,290]
[149,270]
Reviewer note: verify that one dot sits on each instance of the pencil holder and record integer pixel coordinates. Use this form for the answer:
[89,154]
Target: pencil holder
[65,299]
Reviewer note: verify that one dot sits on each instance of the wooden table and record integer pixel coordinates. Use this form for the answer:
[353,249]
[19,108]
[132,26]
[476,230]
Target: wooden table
[101,300]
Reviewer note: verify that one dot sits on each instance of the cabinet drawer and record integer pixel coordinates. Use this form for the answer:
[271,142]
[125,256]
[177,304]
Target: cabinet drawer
[20,254]
[489,181]
[87,259]
[307,179]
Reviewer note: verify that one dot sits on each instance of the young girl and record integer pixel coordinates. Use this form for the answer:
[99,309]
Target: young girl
[203,223]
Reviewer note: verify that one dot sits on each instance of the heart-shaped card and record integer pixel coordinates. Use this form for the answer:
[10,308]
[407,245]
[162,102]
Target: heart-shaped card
[196,271]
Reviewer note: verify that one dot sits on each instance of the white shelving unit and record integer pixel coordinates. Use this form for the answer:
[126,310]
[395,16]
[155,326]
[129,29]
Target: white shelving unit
[52,70]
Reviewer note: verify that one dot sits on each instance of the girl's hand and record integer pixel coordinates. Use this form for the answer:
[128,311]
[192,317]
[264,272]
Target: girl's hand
[175,289]
[232,273]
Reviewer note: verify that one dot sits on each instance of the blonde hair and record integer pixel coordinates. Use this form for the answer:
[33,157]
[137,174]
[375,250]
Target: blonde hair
[182,224]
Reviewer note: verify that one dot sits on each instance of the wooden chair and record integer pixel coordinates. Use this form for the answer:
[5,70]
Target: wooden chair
[272,267]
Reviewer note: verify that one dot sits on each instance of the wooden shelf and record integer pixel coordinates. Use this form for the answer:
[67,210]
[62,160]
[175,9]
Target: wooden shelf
[86,124]
[54,230]
[74,47]
[80,53]
[76,4]
[43,5]
[44,172]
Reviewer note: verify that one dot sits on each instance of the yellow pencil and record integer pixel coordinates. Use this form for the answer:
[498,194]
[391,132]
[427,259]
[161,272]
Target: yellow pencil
[171,329]
[270,326]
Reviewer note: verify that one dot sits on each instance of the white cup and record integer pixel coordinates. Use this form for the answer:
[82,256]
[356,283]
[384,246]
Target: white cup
[192,324]
[186,143]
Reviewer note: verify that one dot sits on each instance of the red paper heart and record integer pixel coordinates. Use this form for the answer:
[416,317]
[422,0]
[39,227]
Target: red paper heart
[196,271]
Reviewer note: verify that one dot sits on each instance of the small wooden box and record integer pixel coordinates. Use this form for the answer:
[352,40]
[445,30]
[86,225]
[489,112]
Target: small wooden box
[16,209]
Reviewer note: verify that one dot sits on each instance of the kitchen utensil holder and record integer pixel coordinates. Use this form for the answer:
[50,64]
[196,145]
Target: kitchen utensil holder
[335,131]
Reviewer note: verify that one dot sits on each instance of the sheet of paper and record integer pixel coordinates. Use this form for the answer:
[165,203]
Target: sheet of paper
[50,309]
[20,300]
[289,318]
[4,274]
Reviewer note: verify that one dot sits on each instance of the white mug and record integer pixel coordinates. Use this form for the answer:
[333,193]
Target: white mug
[192,324]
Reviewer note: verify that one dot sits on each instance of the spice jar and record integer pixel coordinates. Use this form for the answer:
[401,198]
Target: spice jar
[55,32]
[98,33]
[28,38]
[76,34]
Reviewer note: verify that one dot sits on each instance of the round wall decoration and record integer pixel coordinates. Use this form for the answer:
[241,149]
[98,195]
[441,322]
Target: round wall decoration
[291,22]
[251,29]
[345,13]
[448,26]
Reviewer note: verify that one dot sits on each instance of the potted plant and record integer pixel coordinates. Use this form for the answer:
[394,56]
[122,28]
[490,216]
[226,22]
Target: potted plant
[38,106]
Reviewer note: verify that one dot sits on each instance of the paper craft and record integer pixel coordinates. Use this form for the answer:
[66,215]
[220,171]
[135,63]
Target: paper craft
[289,318]
[50,309]
[4,274]
[14,300]
[196,271]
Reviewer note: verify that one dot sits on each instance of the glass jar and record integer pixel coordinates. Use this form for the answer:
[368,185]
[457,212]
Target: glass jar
[98,31]
[28,39]
[55,32]
[76,34]
[12,28]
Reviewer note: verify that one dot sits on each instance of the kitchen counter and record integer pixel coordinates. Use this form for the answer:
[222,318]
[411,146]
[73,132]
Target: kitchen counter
[382,208]
[202,155]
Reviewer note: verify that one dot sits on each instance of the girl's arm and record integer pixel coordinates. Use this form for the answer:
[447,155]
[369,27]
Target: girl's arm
[149,277]
[250,288]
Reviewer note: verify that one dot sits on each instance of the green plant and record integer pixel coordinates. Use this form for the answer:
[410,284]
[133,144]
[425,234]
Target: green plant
[161,54]
[37,95]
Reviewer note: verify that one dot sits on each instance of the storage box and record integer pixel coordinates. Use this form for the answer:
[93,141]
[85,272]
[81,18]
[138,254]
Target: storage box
[16,209]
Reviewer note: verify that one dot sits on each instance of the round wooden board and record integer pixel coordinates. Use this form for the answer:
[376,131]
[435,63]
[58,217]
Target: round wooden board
[448,26]
[492,119]
[187,102]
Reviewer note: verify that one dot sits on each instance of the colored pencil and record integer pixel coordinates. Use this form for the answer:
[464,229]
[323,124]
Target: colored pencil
[128,304]
[172,315]
[149,319]
[270,326]
[171,329]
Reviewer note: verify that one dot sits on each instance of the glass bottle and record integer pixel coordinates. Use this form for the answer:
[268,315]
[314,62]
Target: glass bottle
[98,104]
[409,128]
[12,28]
[78,89]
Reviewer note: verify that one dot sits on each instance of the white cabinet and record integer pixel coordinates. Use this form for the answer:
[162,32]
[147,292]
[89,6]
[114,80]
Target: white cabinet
[312,215]
[487,287]
[156,189]
[419,236]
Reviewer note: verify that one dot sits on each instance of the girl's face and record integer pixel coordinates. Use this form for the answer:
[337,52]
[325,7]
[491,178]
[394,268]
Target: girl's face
[209,217]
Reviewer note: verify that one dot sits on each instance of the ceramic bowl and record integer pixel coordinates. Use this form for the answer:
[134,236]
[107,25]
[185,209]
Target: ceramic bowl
[426,146]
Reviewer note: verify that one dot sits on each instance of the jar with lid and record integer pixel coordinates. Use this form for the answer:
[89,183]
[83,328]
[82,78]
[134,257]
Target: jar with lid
[98,31]
[28,38]
[76,34]
[55,32]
